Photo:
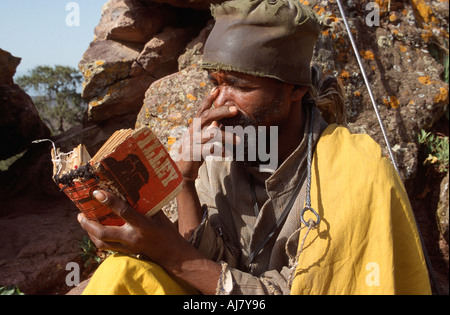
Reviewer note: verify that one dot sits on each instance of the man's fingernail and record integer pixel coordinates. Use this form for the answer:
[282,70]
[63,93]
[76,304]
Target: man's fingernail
[213,90]
[99,196]
[232,109]
[79,217]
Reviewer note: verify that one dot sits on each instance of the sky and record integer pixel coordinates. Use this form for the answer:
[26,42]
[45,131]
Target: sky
[48,32]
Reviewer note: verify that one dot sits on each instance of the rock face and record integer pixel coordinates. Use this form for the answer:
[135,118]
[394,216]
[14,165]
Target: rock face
[405,78]
[132,20]
[136,43]
[38,239]
[19,120]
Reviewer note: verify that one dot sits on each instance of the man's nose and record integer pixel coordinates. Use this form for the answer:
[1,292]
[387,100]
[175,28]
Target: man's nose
[223,98]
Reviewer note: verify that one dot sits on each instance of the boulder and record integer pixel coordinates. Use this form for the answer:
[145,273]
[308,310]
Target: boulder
[122,98]
[8,65]
[159,56]
[106,62]
[194,49]
[108,85]
[170,105]
[133,47]
[406,80]
[37,244]
[19,119]
[132,20]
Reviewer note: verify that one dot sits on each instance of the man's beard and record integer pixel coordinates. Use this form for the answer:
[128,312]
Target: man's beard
[251,140]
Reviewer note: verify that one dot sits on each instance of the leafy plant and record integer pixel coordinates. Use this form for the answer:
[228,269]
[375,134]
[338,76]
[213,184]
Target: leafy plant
[437,147]
[90,254]
[10,290]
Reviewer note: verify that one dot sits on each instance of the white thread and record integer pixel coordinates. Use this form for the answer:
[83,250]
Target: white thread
[57,158]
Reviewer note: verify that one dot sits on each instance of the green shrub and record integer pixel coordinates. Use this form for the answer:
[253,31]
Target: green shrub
[436,147]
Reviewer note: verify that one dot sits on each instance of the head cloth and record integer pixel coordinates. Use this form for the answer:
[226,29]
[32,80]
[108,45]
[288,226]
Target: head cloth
[266,38]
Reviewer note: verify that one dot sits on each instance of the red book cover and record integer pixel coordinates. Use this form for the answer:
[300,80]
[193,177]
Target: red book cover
[138,169]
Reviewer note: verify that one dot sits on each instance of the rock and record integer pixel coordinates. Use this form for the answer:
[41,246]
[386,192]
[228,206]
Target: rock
[37,244]
[19,119]
[108,85]
[169,107]
[105,63]
[405,79]
[8,65]
[160,54]
[122,98]
[132,20]
[194,50]
[118,68]
[171,103]
[443,208]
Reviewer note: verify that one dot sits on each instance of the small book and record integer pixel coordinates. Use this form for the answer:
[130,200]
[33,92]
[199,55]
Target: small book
[133,164]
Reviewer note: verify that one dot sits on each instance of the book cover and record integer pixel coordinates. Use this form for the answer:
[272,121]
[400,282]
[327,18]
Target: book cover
[132,164]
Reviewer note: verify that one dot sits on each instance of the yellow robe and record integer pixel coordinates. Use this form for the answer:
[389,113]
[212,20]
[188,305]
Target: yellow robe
[366,243]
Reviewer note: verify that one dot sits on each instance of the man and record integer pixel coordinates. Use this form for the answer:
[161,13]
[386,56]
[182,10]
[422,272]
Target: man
[331,218]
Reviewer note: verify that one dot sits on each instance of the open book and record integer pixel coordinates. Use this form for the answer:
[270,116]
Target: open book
[133,164]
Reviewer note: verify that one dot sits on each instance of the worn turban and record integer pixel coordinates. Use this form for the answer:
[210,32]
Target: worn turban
[266,38]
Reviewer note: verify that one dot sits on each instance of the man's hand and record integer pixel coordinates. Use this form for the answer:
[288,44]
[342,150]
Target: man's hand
[157,238]
[192,156]
[139,235]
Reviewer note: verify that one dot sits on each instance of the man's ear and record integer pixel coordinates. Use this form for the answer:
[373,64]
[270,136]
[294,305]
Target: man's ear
[298,92]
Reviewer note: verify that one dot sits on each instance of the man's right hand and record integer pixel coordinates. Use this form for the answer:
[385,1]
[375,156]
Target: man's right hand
[192,151]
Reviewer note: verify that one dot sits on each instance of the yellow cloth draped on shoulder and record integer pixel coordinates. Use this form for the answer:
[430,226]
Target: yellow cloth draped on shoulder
[367,241]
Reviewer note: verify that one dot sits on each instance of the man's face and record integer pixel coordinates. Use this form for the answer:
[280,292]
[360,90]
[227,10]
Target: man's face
[260,101]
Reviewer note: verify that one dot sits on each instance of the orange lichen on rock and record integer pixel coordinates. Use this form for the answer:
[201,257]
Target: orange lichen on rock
[442,96]
[383,4]
[191,97]
[391,101]
[367,54]
[345,75]
[426,36]
[423,11]
[425,80]
[393,17]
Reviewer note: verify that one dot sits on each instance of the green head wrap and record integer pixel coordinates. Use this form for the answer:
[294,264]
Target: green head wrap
[266,38]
